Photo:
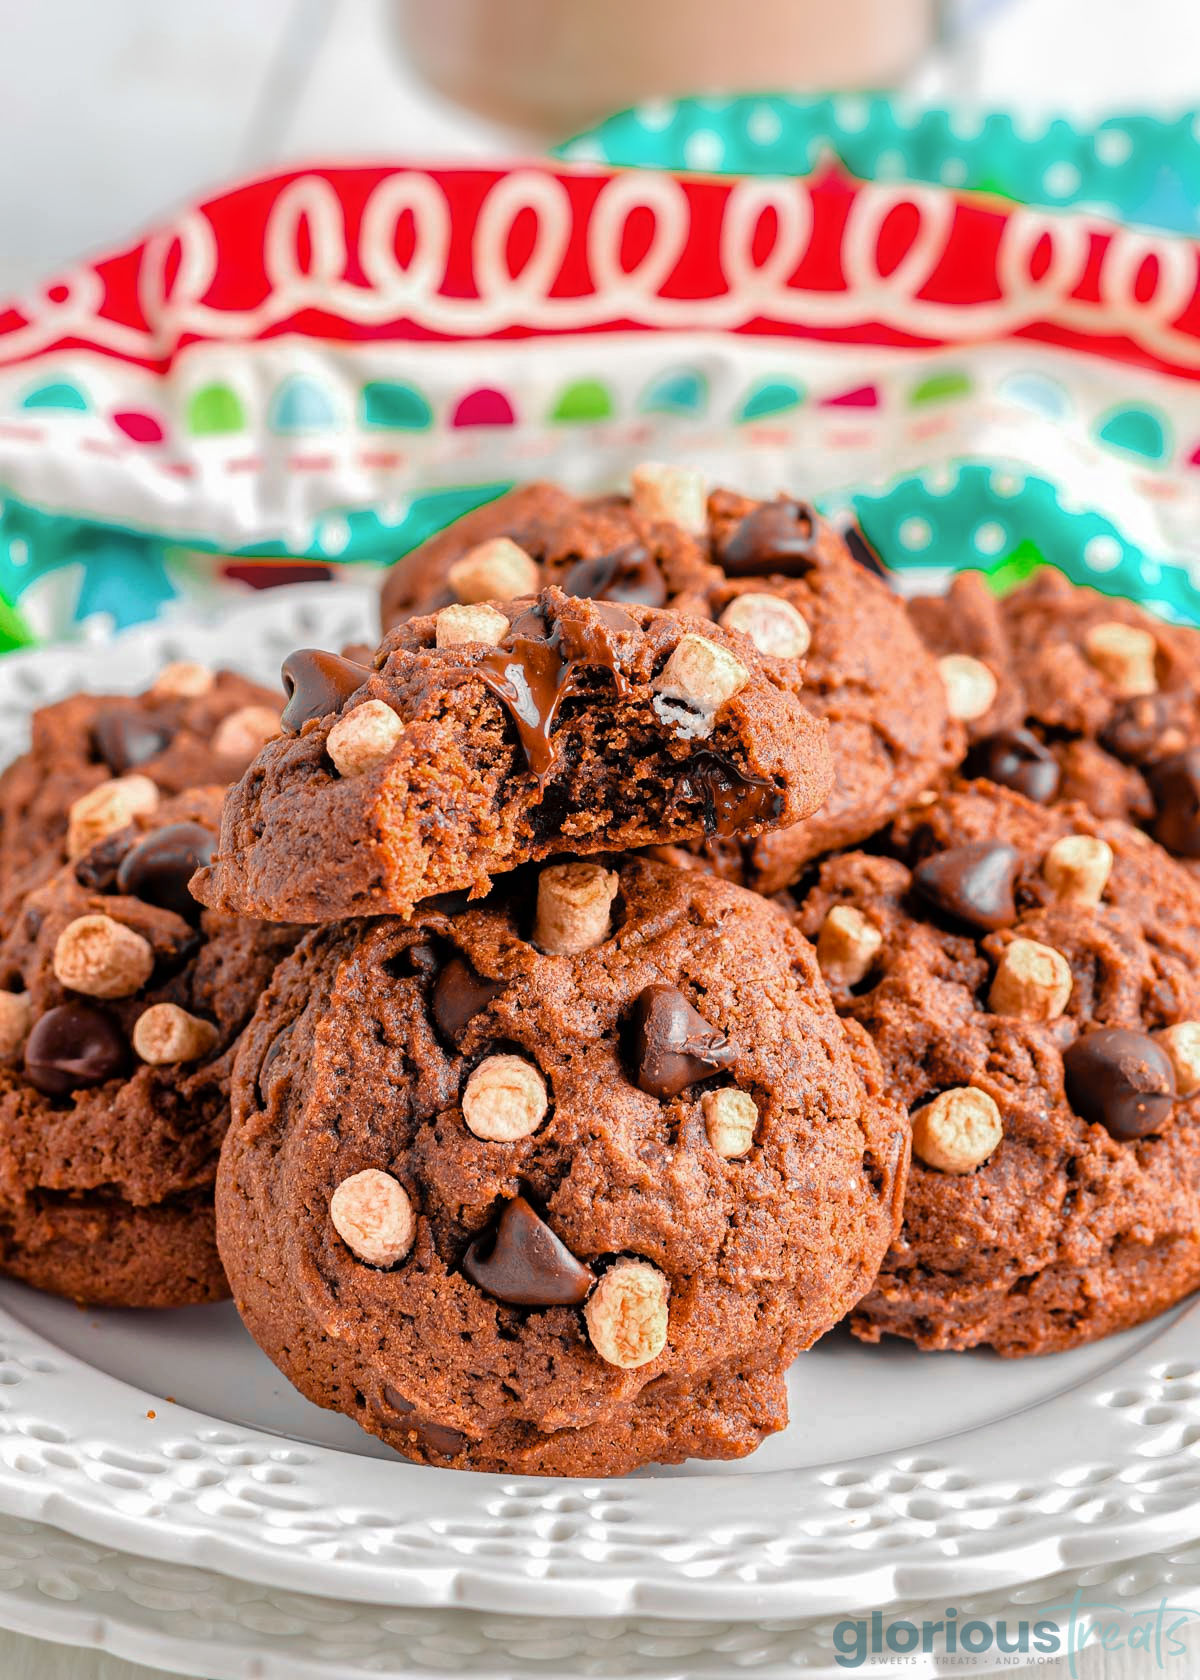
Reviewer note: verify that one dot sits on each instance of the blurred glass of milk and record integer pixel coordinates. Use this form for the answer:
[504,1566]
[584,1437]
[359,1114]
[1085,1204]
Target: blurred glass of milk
[556,65]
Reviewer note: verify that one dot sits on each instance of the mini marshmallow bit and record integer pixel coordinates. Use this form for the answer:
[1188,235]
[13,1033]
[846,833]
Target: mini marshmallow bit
[184,680]
[1182,1044]
[701,675]
[363,738]
[1125,655]
[165,1033]
[505,1099]
[772,624]
[15,1014]
[456,625]
[102,958]
[244,733]
[1077,868]
[373,1215]
[106,809]
[730,1118]
[847,945]
[574,905]
[497,570]
[677,495]
[970,686]
[957,1131]
[626,1314]
[1032,982]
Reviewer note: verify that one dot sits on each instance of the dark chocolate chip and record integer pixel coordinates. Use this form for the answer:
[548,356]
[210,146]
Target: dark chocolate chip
[1137,730]
[159,867]
[1120,1080]
[1175,785]
[72,1046]
[458,997]
[973,883]
[97,869]
[521,1261]
[1016,759]
[672,1045]
[732,801]
[437,1437]
[317,683]
[861,550]
[628,574]
[124,739]
[779,537]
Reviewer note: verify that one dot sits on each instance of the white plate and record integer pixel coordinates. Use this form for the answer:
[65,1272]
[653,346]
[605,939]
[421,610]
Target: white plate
[191,1621]
[902,1475]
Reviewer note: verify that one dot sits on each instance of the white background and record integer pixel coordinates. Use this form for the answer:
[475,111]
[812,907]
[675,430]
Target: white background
[114,113]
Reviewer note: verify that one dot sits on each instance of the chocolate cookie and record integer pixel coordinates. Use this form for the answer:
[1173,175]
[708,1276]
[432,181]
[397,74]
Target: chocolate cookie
[1095,699]
[610,548]
[96,760]
[1031,979]
[120,1005]
[866,675]
[558,1184]
[777,572]
[485,737]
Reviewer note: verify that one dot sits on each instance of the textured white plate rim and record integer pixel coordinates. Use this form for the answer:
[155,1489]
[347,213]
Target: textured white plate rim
[1107,1468]
[192,1621]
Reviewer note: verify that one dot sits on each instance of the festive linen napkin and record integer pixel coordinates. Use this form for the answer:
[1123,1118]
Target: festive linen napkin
[985,342]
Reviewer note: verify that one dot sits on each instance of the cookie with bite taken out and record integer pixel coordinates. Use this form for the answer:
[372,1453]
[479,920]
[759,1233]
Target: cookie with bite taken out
[489,735]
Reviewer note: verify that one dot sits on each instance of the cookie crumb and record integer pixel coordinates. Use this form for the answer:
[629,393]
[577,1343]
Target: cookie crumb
[957,1131]
[627,1314]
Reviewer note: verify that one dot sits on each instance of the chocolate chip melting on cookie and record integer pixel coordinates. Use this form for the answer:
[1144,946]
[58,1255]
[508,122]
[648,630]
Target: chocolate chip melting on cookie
[1031,980]
[604,1162]
[567,726]
[775,572]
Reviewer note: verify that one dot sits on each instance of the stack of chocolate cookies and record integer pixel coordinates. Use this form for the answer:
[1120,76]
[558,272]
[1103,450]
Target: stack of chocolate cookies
[571,978]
